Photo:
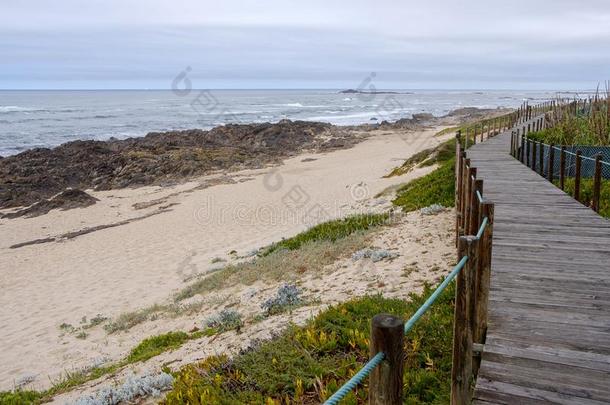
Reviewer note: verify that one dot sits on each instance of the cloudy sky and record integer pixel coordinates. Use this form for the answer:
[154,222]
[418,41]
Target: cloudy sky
[468,44]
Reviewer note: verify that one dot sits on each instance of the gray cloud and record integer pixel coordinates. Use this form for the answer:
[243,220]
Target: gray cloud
[437,44]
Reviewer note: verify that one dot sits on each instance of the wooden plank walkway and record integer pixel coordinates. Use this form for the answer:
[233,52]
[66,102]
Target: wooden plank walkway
[548,338]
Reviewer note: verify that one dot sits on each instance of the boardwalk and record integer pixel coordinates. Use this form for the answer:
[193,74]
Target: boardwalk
[548,339]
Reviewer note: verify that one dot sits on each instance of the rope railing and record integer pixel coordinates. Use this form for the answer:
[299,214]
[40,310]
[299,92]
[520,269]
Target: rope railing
[356,379]
[378,358]
[426,305]
[533,154]
[482,228]
[472,275]
[557,148]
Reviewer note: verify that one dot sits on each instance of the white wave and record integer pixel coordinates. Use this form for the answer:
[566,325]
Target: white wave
[11,108]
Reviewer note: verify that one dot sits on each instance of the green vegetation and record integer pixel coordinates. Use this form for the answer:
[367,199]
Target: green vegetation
[308,252]
[128,320]
[450,130]
[330,231]
[307,364]
[586,193]
[583,124]
[437,187]
[225,320]
[156,345]
[573,131]
[428,157]
[19,397]
[281,265]
[148,348]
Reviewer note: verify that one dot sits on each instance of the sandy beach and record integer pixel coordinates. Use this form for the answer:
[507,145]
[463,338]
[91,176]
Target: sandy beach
[152,239]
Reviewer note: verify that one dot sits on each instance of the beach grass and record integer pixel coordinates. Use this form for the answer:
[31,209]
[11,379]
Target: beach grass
[307,364]
[19,397]
[329,231]
[428,157]
[280,265]
[586,193]
[588,126]
[156,345]
[437,187]
[572,131]
[148,348]
[307,252]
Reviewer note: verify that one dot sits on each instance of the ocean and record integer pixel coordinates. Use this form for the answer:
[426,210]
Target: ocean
[37,118]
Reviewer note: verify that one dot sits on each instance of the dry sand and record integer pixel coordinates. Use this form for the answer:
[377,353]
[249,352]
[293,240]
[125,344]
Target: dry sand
[177,235]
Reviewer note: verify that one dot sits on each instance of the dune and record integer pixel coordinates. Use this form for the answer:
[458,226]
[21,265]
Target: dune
[136,247]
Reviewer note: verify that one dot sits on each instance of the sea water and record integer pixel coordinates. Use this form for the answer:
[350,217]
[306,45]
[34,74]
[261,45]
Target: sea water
[32,118]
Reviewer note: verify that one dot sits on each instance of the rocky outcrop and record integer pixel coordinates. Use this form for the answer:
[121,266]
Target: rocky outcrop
[38,174]
[35,176]
[68,199]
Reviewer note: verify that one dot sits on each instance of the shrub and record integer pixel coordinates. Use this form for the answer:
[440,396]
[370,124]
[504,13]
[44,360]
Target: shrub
[314,360]
[288,296]
[225,320]
[134,387]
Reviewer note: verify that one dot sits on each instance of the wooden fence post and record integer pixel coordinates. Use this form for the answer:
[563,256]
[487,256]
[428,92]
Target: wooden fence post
[551,164]
[577,175]
[461,370]
[527,152]
[541,159]
[387,336]
[562,168]
[484,273]
[533,156]
[597,182]
[522,148]
[458,182]
[472,175]
[474,210]
[463,204]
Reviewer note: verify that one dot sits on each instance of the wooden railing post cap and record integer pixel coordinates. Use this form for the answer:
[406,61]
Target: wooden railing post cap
[468,239]
[387,321]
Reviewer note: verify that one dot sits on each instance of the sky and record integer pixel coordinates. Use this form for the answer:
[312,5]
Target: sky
[431,44]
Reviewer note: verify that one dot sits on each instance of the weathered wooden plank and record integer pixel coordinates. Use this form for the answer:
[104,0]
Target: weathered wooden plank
[566,380]
[504,393]
[554,354]
[548,337]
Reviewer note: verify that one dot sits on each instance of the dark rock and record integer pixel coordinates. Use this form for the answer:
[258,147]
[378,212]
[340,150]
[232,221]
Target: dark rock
[423,117]
[38,174]
[66,200]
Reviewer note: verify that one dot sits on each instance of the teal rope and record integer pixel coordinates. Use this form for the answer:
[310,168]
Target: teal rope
[435,294]
[378,358]
[482,228]
[479,196]
[356,379]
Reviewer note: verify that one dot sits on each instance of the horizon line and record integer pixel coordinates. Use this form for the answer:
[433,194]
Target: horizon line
[302,88]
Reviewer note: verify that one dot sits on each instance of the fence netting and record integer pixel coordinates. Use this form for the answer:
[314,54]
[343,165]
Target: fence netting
[587,167]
